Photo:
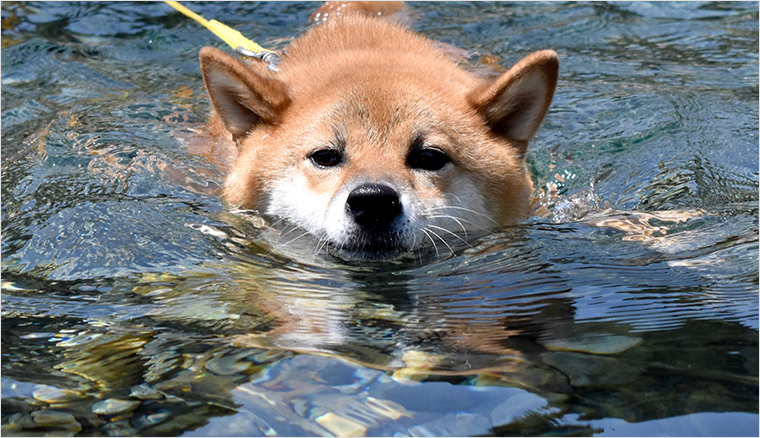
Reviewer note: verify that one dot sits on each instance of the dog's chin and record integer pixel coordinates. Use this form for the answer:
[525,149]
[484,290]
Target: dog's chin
[371,246]
[369,254]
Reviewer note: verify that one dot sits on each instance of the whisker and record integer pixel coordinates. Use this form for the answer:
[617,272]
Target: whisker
[468,210]
[276,223]
[305,233]
[458,219]
[286,231]
[464,230]
[322,243]
[437,254]
[419,249]
[414,245]
[448,216]
[452,233]
[441,239]
[455,219]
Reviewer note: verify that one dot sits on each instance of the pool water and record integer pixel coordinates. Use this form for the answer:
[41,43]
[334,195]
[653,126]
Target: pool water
[135,302]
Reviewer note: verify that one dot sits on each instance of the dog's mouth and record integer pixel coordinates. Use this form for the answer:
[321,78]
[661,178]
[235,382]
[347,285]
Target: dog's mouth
[377,244]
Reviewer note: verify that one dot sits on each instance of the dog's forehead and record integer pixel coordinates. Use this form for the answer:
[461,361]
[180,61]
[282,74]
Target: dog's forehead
[380,111]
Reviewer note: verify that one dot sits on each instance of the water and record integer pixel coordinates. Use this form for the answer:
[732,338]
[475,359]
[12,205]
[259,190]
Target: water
[135,303]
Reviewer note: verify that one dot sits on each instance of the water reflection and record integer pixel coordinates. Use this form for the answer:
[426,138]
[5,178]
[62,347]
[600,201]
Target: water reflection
[135,303]
[261,343]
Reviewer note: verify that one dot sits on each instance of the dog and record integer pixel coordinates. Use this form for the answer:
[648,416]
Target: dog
[374,141]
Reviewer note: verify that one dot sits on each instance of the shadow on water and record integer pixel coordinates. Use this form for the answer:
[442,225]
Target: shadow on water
[135,303]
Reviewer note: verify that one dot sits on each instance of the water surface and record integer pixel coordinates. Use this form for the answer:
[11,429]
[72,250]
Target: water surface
[134,302]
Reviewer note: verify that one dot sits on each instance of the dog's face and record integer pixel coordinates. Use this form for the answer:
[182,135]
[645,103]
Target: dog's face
[381,156]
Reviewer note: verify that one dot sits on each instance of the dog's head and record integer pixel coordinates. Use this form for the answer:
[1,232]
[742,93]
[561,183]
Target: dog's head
[375,142]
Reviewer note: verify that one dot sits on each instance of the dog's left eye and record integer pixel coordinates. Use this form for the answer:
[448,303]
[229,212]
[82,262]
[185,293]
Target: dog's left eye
[326,157]
[427,159]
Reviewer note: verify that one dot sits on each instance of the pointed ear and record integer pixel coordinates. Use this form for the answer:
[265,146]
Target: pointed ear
[516,102]
[242,97]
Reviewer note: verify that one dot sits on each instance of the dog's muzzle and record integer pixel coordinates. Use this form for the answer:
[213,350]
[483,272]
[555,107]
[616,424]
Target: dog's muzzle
[376,211]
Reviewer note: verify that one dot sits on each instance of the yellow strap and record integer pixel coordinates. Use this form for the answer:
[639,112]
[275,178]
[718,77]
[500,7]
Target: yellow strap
[229,35]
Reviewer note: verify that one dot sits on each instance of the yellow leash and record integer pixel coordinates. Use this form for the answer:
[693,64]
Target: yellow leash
[233,38]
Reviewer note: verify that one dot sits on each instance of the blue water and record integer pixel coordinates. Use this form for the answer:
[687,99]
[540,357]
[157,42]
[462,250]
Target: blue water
[134,302]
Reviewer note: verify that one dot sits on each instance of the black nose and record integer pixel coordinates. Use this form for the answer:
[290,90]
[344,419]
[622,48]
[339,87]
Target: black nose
[373,205]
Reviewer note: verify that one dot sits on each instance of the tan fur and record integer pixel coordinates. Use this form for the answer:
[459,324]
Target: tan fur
[373,87]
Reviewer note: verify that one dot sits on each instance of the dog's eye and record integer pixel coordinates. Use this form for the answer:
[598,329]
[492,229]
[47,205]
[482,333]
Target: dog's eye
[326,157]
[427,159]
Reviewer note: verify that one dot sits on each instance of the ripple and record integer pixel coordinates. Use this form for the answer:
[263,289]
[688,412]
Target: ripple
[131,293]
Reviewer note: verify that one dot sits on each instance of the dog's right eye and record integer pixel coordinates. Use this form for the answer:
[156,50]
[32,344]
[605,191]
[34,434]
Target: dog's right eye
[427,159]
[326,157]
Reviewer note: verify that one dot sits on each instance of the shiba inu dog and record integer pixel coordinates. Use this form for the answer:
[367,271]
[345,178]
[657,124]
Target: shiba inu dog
[374,141]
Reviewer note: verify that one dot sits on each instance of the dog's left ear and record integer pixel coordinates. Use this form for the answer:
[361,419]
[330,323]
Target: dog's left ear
[516,102]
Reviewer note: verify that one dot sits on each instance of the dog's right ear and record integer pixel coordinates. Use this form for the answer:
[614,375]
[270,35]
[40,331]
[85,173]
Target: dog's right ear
[242,97]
